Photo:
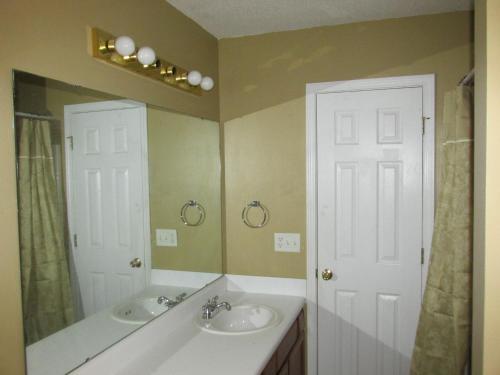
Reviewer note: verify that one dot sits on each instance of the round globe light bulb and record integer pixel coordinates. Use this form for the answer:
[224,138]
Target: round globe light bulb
[146,55]
[207,83]
[124,45]
[194,78]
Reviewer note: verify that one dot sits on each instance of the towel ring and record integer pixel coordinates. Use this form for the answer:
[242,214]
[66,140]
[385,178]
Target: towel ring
[246,210]
[201,211]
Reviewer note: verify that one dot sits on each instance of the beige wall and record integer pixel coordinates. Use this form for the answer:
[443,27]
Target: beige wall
[479,185]
[184,164]
[36,94]
[59,94]
[486,309]
[262,83]
[49,38]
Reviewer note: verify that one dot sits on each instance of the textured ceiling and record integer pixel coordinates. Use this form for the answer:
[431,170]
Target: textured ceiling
[232,18]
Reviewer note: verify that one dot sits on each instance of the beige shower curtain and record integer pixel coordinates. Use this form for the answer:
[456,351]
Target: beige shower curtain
[443,336]
[47,299]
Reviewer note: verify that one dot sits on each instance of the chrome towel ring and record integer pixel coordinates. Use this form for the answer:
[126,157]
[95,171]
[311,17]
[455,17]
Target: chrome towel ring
[246,210]
[201,212]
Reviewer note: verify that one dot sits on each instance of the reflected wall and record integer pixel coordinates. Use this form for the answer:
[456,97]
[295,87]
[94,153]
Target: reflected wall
[184,165]
[71,286]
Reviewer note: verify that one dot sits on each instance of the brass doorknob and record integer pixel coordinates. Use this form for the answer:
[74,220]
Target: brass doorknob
[135,263]
[327,274]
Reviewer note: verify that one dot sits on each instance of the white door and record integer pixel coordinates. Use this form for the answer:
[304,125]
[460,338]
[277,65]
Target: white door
[369,230]
[107,199]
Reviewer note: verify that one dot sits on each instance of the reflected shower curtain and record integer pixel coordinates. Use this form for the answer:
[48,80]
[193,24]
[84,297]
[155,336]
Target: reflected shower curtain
[443,335]
[47,299]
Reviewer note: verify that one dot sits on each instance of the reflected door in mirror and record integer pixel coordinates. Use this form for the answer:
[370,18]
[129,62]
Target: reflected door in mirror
[105,157]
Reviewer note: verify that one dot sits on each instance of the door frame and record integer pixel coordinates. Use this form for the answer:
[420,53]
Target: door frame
[113,105]
[427,83]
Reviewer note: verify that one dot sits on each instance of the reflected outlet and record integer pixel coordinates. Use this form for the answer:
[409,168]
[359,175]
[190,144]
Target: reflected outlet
[287,242]
[166,237]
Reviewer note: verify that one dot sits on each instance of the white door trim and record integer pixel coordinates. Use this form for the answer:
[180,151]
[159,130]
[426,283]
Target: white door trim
[427,82]
[143,118]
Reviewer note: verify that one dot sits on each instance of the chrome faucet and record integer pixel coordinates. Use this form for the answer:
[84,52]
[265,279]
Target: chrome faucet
[180,297]
[169,303]
[162,300]
[212,308]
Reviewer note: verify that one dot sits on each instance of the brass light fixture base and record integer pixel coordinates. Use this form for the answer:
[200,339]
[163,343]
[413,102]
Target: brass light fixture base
[103,48]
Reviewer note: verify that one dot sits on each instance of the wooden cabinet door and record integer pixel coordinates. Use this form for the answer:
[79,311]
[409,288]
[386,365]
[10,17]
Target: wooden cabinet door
[284,370]
[296,360]
[289,358]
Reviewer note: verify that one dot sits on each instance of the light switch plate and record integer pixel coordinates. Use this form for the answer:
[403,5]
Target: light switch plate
[166,237]
[287,242]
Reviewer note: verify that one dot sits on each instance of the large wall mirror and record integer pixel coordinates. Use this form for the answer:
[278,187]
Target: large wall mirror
[119,216]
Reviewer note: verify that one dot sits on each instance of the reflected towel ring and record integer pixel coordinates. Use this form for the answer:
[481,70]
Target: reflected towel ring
[246,210]
[201,211]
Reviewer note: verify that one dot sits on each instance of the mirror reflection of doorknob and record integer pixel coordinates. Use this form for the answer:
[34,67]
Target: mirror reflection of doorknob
[135,263]
[327,274]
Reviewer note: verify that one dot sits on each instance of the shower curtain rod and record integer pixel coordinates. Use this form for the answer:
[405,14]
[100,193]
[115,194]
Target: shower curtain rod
[467,79]
[34,115]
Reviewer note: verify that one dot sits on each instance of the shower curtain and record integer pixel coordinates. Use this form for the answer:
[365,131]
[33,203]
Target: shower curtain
[46,292]
[443,336]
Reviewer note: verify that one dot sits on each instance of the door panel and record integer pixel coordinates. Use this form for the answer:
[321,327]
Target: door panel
[369,229]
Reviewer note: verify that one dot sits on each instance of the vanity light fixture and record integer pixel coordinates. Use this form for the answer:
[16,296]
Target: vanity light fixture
[194,78]
[168,71]
[207,83]
[123,52]
[124,45]
[146,56]
[181,77]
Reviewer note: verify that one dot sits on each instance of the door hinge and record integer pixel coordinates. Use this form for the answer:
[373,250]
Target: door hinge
[316,273]
[423,123]
[422,255]
[75,240]
[70,139]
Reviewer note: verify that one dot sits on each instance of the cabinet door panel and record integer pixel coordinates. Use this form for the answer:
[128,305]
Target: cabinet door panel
[271,368]
[287,344]
[296,360]
[289,358]
[284,370]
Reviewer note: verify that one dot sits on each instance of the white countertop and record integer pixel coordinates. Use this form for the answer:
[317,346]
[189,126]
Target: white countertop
[173,344]
[69,347]
[208,353]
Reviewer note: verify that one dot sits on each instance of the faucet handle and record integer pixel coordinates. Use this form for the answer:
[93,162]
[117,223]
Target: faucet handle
[211,303]
[180,297]
[161,299]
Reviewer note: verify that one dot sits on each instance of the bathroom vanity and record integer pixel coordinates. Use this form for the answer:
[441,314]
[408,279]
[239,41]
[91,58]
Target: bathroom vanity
[290,357]
[177,343]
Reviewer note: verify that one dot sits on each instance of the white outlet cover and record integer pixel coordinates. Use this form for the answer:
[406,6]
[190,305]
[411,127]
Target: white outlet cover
[287,242]
[166,237]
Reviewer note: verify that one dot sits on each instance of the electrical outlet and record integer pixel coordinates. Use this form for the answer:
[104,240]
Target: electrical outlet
[166,237]
[287,242]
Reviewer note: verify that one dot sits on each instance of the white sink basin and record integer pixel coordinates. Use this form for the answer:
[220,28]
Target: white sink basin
[241,319]
[138,311]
